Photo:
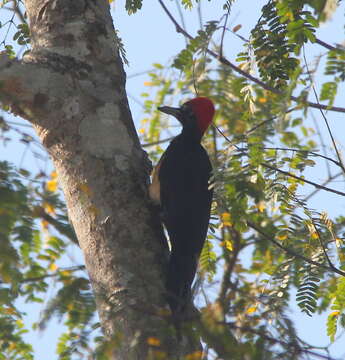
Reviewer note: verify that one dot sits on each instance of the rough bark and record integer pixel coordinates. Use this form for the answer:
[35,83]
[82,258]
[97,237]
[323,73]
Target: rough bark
[71,87]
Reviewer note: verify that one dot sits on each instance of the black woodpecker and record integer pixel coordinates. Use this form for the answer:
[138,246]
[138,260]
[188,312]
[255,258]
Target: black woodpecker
[180,185]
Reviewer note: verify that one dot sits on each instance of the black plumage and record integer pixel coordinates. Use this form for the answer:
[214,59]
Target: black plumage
[181,185]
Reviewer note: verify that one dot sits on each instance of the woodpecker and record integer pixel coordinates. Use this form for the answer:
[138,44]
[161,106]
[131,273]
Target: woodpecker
[180,185]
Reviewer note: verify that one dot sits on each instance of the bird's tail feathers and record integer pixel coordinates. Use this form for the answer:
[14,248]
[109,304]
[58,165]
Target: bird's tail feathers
[181,272]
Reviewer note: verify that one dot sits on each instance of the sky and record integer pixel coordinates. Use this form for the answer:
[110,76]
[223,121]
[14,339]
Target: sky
[149,37]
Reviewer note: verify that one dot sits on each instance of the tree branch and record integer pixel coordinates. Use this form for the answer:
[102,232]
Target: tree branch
[323,184]
[277,341]
[328,46]
[293,252]
[318,186]
[71,86]
[226,62]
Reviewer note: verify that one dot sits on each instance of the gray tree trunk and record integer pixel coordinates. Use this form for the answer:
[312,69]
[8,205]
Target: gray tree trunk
[71,87]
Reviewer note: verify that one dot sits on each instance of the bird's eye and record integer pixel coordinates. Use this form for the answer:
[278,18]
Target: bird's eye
[186,110]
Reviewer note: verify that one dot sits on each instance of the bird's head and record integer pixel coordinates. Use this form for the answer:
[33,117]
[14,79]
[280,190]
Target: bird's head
[194,114]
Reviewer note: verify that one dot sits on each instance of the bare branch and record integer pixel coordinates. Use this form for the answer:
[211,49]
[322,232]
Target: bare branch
[323,115]
[223,32]
[157,142]
[327,46]
[331,178]
[322,143]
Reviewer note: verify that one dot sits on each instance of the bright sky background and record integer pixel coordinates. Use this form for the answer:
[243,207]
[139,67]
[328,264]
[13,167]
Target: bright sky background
[149,37]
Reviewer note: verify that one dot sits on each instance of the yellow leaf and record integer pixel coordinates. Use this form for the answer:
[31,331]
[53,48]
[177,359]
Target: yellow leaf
[65,273]
[338,242]
[20,323]
[243,65]
[153,341]
[261,206]
[289,15]
[197,355]
[314,235]
[49,208]
[236,28]
[227,244]
[53,267]
[293,187]
[251,310]
[226,219]
[9,311]
[52,185]
[44,224]
[226,216]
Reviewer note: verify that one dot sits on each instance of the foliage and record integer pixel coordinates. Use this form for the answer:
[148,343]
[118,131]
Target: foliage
[30,257]
[266,242]
[279,34]
[132,6]
[260,192]
[198,45]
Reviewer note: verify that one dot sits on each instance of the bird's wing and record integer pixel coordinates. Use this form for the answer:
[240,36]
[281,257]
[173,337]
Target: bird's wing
[186,203]
[185,198]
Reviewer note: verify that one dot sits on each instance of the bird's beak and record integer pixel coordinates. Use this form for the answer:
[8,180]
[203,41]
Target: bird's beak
[176,112]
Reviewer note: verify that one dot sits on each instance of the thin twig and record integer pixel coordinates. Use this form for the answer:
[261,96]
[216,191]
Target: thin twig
[322,113]
[200,15]
[323,146]
[63,229]
[293,252]
[226,62]
[318,186]
[277,341]
[140,73]
[57,273]
[312,153]
[157,142]
[223,32]
[268,120]
[324,250]
[318,41]
[323,184]
[328,46]
[18,12]
[177,2]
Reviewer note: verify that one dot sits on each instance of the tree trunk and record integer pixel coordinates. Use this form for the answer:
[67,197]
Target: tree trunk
[71,87]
